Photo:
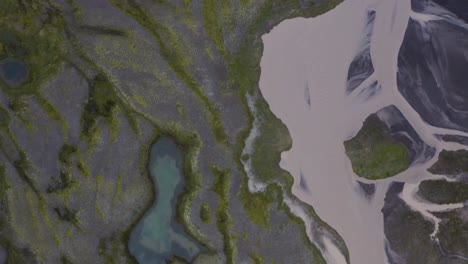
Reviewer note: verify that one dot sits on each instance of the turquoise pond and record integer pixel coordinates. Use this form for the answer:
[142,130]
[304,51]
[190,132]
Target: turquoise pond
[157,238]
[13,72]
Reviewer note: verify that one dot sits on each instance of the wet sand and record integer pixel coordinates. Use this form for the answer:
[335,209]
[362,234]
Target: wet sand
[314,55]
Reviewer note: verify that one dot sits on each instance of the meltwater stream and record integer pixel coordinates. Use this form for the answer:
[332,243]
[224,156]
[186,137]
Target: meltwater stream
[304,78]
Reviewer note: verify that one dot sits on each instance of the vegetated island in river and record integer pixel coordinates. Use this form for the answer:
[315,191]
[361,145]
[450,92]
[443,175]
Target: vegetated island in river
[386,145]
[453,164]
[373,152]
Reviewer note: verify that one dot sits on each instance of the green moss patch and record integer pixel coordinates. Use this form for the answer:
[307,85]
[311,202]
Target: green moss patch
[451,162]
[82,166]
[212,25]
[65,260]
[20,109]
[102,102]
[66,182]
[176,52]
[224,220]
[256,259]
[374,154]
[205,213]
[453,233]
[68,215]
[409,236]
[63,183]
[18,105]
[110,248]
[35,38]
[22,166]
[257,205]
[4,184]
[273,135]
[4,118]
[17,255]
[66,153]
[52,112]
[180,109]
[443,192]
[244,74]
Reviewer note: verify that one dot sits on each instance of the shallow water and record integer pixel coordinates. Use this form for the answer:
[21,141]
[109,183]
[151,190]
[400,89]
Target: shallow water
[157,237]
[13,72]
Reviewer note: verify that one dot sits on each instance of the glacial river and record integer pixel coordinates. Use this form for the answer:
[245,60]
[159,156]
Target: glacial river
[304,74]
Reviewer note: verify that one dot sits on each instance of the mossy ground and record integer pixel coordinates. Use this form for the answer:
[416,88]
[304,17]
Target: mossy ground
[35,37]
[453,233]
[4,118]
[22,166]
[66,153]
[213,26]
[224,220]
[177,55]
[205,213]
[374,154]
[104,101]
[412,235]
[257,205]
[256,259]
[409,233]
[273,139]
[443,192]
[451,162]
[15,254]
[273,135]
[4,185]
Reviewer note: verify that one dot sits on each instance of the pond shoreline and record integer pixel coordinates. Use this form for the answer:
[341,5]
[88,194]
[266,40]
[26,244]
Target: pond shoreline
[157,237]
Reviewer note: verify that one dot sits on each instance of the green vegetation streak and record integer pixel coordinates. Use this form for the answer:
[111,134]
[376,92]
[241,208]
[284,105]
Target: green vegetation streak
[256,259]
[22,166]
[224,220]
[176,58]
[102,102]
[212,25]
[4,118]
[4,184]
[205,213]
[244,74]
[66,152]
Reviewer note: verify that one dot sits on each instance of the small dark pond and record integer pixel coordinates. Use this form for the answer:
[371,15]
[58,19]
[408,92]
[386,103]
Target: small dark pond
[13,72]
